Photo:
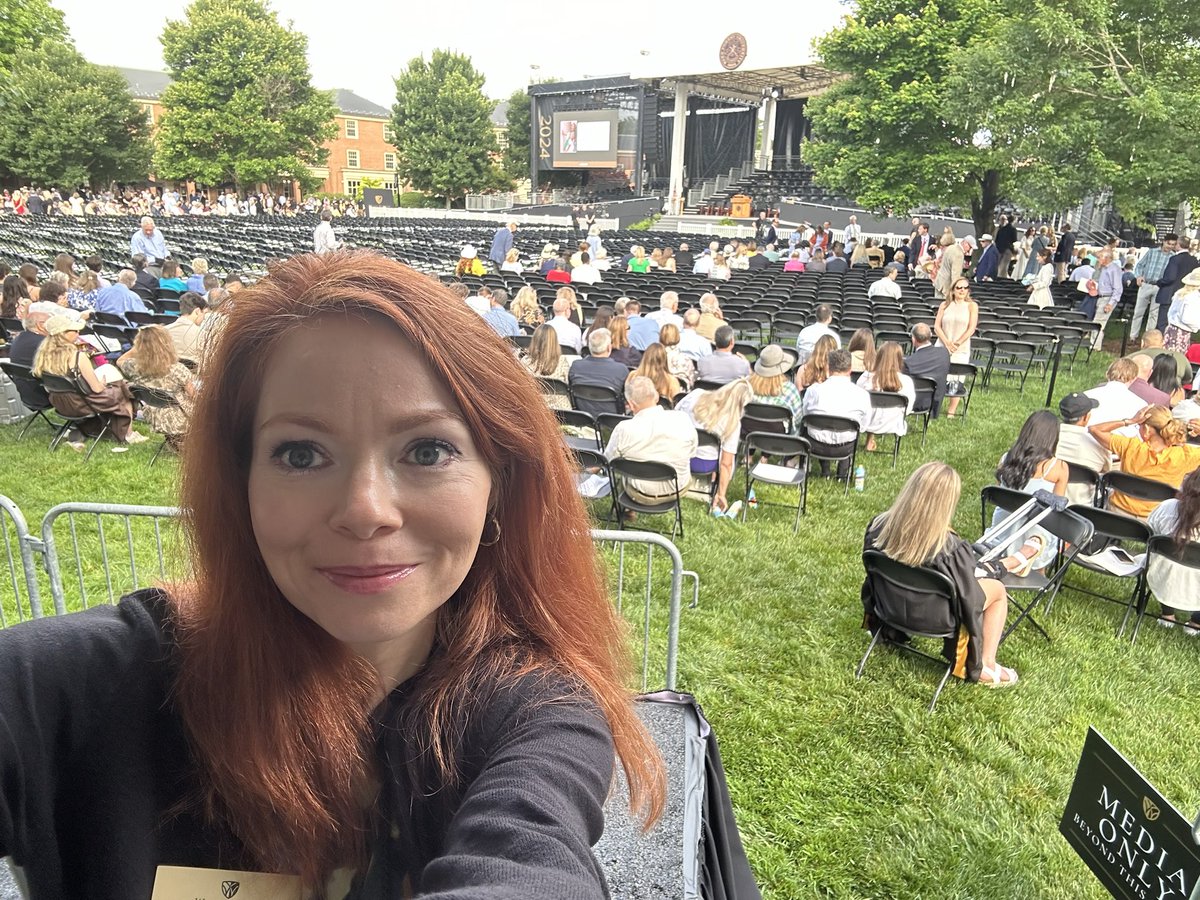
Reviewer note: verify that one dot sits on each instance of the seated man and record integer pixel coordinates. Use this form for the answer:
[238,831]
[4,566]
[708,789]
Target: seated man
[666,314]
[185,331]
[642,331]
[837,395]
[887,285]
[928,361]
[481,300]
[810,334]
[1076,446]
[118,299]
[691,342]
[502,321]
[722,365]
[1143,389]
[144,279]
[1115,399]
[653,434]
[585,272]
[569,334]
[598,369]
[711,317]
[25,345]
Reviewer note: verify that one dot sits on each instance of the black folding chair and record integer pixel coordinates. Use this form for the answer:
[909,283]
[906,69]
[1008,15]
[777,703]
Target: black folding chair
[56,384]
[1134,486]
[889,400]
[968,372]
[766,417]
[32,393]
[148,396]
[1162,545]
[925,390]
[588,460]
[893,586]
[553,387]
[579,420]
[707,439]
[781,448]
[822,422]
[597,399]
[658,473]
[1077,474]
[1111,528]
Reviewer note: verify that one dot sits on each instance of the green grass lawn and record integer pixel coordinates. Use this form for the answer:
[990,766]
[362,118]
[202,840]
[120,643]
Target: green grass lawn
[848,788]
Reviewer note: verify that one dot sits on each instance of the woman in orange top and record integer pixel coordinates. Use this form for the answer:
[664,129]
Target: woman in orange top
[1160,452]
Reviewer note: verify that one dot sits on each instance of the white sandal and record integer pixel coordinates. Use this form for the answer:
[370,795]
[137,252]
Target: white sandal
[999,677]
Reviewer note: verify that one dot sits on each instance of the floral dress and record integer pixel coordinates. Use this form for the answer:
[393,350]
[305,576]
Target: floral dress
[171,420]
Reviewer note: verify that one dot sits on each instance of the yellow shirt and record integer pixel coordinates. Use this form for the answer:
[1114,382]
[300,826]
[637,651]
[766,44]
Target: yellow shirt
[1170,466]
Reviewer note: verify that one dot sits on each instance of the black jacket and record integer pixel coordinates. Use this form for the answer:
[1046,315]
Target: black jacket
[1006,238]
[931,361]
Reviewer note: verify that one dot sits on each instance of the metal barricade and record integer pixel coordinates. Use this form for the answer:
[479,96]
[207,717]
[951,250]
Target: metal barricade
[621,541]
[90,551]
[19,544]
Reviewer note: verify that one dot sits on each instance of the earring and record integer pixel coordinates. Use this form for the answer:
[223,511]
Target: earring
[492,521]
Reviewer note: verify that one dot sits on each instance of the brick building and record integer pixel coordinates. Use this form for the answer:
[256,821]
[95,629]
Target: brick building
[361,149]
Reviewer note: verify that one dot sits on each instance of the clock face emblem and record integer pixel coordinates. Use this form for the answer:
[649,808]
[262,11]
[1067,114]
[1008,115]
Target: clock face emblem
[733,51]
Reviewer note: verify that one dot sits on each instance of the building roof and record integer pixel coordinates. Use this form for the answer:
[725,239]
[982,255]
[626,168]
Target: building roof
[145,84]
[349,103]
[500,114]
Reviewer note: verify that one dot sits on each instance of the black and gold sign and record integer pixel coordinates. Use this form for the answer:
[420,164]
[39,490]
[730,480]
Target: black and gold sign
[1134,841]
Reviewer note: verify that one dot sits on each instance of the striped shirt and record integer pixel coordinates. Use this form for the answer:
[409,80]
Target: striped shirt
[1152,264]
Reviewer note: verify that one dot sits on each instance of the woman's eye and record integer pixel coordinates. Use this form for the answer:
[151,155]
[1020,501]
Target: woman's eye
[298,456]
[431,453]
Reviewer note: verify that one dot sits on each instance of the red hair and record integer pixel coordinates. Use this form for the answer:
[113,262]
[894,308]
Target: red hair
[278,711]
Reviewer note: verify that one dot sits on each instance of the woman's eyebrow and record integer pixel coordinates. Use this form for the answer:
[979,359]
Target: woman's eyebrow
[404,422]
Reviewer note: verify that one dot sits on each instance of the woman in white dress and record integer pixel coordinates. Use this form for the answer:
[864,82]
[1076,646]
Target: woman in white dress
[1024,251]
[886,376]
[1171,582]
[1039,290]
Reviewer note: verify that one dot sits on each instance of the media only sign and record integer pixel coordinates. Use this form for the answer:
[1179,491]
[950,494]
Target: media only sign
[1132,839]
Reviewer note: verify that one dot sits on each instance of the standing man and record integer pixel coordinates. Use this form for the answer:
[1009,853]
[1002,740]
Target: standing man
[502,242]
[324,240]
[918,249]
[1148,271]
[852,235]
[762,228]
[1108,293]
[1063,253]
[1172,280]
[985,268]
[1006,242]
[149,241]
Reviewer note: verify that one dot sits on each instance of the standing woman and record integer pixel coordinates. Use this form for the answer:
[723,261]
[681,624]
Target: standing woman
[957,319]
[1041,241]
[1183,317]
[1025,253]
[916,531]
[394,669]
[1039,290]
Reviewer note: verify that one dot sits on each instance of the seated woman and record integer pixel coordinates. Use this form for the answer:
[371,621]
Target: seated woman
[59,354]
[720,269]
[1030,465]
[654,366]
[602,319]
[545,359]
[1174,585]
[862,351]
[468,263]
[794,264]
[639,262]
[720,412]
[622,351]
[916,531]
[525,307]
[81,295]
[1164,376]
[1160,452]
[195,281]
[816,369]
[512,262]
[770,382]
[886,376]
[393,668]
[154,363]
[680,364]
[170,280]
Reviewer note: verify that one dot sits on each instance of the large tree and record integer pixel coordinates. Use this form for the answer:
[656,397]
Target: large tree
[67,122]
[27,25]
[972,102]
[242,107]
[516,154]
[443,127]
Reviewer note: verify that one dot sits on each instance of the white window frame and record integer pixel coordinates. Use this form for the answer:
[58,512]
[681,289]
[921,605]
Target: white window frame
[353,159]
[352,129]
[389,161]
[389,133]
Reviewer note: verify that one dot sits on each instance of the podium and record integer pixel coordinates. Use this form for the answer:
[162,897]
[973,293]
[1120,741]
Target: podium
[739,206]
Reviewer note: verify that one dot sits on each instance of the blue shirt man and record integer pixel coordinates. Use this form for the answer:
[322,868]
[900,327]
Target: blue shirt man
[148,241]
[642,332]
[500,319]
[118,299]
[502,242]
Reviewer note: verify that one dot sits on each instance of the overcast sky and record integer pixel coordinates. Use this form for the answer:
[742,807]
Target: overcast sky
[365,50]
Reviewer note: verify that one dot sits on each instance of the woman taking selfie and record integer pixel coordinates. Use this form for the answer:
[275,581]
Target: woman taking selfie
[394,669]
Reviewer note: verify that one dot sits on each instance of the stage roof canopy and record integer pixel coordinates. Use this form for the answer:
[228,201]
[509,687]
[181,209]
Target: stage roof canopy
[750,85]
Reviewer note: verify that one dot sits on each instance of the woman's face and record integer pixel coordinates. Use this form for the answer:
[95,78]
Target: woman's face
[367,493]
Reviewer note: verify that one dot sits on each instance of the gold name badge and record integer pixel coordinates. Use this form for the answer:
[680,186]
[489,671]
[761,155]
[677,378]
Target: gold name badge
[182,883]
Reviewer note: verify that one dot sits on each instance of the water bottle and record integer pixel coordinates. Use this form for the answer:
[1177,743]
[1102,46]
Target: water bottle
[860,477]
[752,501]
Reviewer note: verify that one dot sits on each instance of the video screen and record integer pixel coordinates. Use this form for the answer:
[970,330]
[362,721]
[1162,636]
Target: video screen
[585,139]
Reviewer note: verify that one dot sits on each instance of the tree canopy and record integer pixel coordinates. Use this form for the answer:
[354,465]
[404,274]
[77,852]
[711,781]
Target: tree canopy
[516,154]
[67,122]
[242,107]
[973,102]
[27,25]
[442,122]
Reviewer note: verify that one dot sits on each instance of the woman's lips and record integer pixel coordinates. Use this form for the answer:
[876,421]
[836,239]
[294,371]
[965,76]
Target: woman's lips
[366,579]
